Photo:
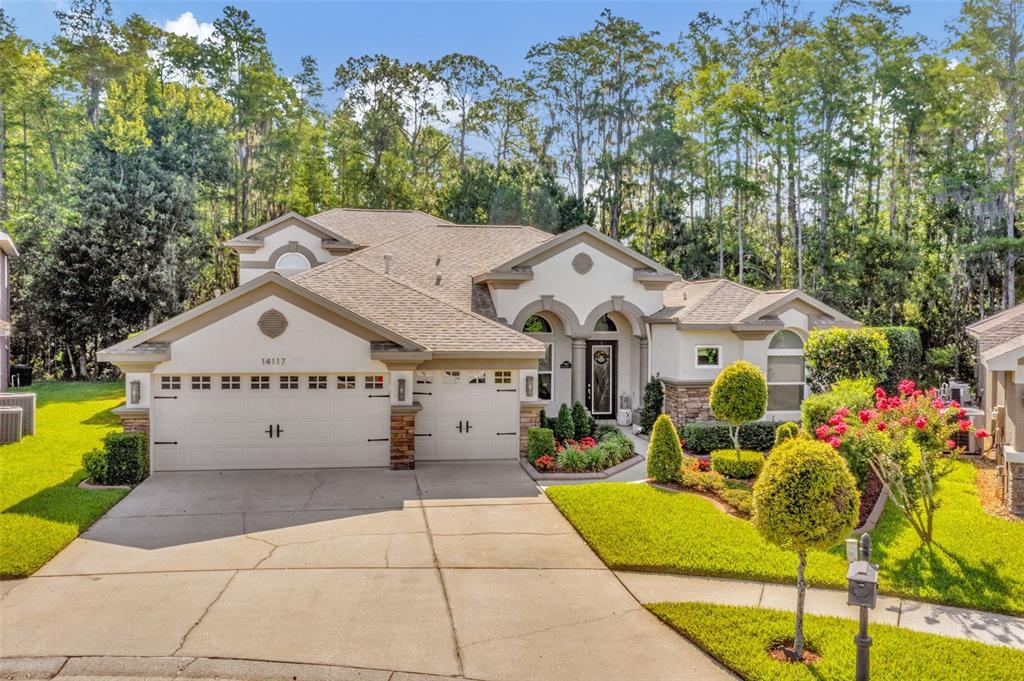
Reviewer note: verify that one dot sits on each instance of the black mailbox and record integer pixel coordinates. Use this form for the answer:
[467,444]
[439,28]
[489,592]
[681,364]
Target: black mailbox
[862,581]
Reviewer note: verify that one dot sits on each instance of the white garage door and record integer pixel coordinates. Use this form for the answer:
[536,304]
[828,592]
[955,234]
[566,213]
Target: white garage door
[270,421]
[467,415]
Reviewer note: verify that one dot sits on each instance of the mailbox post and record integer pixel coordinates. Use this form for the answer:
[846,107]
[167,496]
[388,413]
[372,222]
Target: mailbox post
[862,582]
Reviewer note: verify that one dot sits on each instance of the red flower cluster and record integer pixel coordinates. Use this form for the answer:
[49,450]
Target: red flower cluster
[545,463]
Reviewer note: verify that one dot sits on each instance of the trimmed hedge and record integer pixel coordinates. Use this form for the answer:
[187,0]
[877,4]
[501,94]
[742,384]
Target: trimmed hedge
[124,460]
[703,437]
[665,455]
[817,409]
[836,354]
[905,355]
[744,467]
[539,442]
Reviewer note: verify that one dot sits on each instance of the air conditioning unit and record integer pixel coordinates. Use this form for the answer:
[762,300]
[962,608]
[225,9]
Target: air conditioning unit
[961,392]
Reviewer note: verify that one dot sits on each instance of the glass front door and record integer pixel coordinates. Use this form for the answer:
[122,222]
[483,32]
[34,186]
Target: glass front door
[601,359]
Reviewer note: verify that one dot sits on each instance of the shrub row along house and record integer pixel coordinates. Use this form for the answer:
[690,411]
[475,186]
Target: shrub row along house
[372,338]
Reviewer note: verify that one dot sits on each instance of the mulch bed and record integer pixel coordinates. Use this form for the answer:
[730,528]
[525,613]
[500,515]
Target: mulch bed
[869,495]
[785,654]
[989,492]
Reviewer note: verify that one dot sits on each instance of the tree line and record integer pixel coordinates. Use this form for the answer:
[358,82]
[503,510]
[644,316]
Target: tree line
[840,153]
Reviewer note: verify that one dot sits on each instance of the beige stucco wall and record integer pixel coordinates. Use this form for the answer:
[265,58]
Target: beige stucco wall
[279,239]
[236,345]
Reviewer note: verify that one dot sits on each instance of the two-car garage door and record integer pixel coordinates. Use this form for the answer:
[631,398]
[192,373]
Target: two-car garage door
[270,421]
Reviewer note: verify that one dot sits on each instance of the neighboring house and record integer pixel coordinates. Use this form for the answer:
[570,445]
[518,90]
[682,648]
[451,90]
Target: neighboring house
[7,251]
[1001,392]
[371,337]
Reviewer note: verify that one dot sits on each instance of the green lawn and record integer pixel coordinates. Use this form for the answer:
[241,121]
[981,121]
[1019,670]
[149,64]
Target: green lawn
[739,638]
[977,562]
[42,508]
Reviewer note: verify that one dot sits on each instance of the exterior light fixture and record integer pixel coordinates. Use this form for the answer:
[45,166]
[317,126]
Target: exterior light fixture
[401,390]
[529,386]
[135,392]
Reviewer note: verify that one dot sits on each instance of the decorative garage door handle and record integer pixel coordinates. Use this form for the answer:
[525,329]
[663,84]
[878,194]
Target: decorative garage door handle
[422,434]
[416,393]
[166,442]
[372,396]
[165,397]
[504,433]
[506,390]
[377,439]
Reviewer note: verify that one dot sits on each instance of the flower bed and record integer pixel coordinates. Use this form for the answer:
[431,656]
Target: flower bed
[586,455]
[735,496]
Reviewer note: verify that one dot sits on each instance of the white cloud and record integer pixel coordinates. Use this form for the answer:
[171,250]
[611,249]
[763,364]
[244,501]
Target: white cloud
[187,24]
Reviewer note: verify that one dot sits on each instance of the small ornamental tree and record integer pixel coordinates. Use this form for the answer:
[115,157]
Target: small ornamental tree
[665,455]
[907,440]
[738,395]
[654,402]
[804,499]
[564,428]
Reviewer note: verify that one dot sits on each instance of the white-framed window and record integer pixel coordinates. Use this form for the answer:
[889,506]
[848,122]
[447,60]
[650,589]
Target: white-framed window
[477,377]
[451,377]
[346,382]
[200,382]
[170,382]
[318,383]
[289,382]
[503,377]
[424,377]
[292,262]
[259,382]
[545,373]
[605,323]
[230,382]
[374,382]
[786,371]
[707,356]
[537,324]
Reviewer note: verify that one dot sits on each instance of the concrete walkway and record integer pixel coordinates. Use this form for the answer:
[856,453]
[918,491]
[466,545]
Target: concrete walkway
[453,570]
[974,625]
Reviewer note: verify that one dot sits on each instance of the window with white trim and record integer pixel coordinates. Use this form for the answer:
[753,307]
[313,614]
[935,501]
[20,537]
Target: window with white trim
[477,377]
[346,382]
[289,383]
[374,382]
[451,377]
[318,383]
[230,382]
[708,356]
[259,382]
[503,377]
[200,382]
[786,371]
[170,382]
[545,373]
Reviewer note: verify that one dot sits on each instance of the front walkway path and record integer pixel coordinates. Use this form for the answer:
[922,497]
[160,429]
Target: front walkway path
[974,625]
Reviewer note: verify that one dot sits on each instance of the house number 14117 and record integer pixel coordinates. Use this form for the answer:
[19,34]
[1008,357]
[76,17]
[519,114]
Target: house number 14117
[273,361]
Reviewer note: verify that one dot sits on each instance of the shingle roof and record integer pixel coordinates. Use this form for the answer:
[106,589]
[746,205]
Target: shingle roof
[369,226]
[999,328]
[720,301]
[415,314]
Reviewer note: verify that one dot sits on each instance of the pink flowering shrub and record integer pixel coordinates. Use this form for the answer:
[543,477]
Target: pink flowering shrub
[908,440]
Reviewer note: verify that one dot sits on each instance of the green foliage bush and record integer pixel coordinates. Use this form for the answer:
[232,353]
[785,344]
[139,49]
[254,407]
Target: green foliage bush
[836,354]
[564,428]
[654,402]
[739,394]
[665,456]
[124,460]
[594,459]
[539,441]
[604,429]
[856,394]
[572,460]
[583,422]
[905,355]
[743,467]
[616,448]
[805,497]
[786,431]
[704,437]
[741,499]
[702,481]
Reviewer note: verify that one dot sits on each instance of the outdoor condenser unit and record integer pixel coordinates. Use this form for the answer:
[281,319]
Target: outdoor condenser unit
[10,424]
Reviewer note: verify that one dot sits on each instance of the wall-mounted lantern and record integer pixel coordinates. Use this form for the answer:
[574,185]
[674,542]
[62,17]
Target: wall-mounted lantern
[401,390]
[529,385]
[135,392]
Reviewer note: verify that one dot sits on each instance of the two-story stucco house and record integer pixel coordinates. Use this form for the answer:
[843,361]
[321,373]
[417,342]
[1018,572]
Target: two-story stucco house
[374,338]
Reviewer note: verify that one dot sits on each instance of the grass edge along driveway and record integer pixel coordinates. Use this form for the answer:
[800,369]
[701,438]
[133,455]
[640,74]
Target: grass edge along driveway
[41,506]
[739,637]
[977,560]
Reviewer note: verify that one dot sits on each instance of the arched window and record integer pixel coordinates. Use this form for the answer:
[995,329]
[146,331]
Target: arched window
[605,324]
[292,262]
[536,324]
[786,380]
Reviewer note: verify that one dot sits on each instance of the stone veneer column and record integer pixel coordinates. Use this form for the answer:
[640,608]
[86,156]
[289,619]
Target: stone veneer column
[1015,487]
[579,370]
[133,419]
[687,401]
[529,417]
[403,437]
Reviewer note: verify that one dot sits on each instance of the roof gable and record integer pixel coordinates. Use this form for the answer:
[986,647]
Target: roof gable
[254,237]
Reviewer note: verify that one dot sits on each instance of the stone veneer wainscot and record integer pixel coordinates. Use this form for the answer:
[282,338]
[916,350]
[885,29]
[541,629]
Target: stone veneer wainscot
[687,401]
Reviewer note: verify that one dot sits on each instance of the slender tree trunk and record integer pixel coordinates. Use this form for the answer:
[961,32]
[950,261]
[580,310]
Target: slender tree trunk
[3,155]
[801,593]
[1009,285]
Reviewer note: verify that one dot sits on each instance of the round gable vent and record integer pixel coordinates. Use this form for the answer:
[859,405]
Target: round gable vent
[272,323]
[582,263]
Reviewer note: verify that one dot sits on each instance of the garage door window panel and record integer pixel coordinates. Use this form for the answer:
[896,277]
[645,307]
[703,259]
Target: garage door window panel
[200,382]
[318,383]
[230,382]
[259,382]
[170,382]
[374,382]
[346,382]
[289,383]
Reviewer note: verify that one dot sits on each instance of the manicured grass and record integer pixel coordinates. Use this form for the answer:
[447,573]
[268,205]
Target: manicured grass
[739,637]
[977,560]
[42,507]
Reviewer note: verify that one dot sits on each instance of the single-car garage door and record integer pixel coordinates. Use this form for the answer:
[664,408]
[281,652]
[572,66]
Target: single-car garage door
[270,421]
[467,415]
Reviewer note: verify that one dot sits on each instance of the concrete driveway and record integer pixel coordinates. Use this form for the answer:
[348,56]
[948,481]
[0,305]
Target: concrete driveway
[451,570]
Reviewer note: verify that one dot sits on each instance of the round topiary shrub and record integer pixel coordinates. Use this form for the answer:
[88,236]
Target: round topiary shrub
[744,467]
[665,455]
[804,499]
[739,394]
[787,431]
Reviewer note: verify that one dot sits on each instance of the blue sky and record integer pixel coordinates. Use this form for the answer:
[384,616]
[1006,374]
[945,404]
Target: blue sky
[500,32]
